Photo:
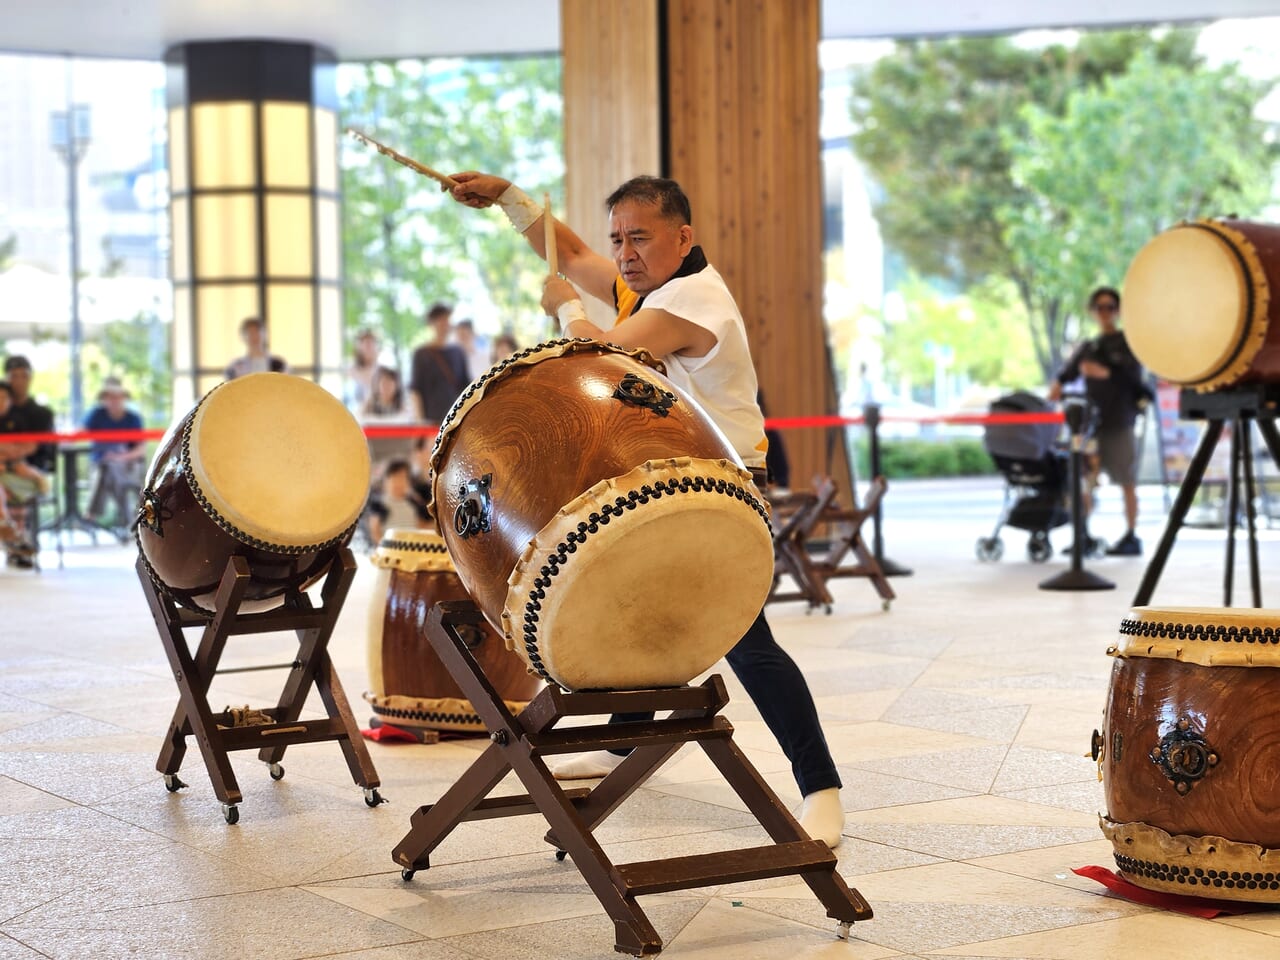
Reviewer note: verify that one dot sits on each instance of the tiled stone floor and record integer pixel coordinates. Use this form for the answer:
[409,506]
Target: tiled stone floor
[960,720]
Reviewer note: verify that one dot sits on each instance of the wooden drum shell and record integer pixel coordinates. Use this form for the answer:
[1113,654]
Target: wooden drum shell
[1190,757]
[549,431]
[187,551]
[410,687]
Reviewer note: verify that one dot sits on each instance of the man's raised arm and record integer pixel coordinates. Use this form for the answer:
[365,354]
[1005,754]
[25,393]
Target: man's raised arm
[586,268]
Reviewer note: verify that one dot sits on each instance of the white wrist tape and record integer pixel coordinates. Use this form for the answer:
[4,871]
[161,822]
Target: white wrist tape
[519,208]
[570,312]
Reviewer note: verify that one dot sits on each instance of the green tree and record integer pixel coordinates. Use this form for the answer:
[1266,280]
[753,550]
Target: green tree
[938,122]
[406,245]
[984,330]
[1123,161]
[8,250]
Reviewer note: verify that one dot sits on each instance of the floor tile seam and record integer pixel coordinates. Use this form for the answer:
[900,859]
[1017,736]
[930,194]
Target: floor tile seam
[415,936]
[857,765]
[31,909]
[38,789]
[23,943]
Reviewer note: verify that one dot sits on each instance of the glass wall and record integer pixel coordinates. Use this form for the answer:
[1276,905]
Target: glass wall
[978,188]
[105,119]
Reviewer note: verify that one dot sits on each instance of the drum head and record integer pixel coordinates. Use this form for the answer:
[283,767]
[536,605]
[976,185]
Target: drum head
[280,459]
[1188,308]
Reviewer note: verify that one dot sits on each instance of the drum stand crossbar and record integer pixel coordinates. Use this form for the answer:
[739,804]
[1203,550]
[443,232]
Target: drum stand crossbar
[521,743]
[271,730]
[1260,403]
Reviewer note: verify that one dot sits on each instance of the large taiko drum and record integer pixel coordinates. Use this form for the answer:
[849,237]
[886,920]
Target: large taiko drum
[599,518]
[1200,300]
[409,685]
[269,467]
[1190,752]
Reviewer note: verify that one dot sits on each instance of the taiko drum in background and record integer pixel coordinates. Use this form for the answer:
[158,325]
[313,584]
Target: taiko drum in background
[269,467]
[599,518]
[410,686]
[1190,752]
[1200,304]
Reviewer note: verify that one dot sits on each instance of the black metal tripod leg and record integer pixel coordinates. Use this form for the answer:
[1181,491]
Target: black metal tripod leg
[1177,516]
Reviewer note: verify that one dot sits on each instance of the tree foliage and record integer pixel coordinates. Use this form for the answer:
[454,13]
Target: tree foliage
[405,244]
[960,139]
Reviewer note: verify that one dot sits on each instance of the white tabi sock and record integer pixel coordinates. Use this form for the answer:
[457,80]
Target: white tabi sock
[822,817]
[584,766]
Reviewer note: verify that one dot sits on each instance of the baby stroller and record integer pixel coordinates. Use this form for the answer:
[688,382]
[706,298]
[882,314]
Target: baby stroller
[1036,476]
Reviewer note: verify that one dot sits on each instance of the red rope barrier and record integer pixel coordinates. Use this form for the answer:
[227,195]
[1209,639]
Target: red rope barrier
[393,431]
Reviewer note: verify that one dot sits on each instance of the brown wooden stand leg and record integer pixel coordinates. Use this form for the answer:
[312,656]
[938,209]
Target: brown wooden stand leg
[520,744]
[218,733]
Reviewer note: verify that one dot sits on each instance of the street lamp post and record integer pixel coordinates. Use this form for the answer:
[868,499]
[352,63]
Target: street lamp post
[69,137]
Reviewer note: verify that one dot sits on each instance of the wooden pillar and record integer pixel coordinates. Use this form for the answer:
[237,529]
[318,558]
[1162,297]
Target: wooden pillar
[723,96]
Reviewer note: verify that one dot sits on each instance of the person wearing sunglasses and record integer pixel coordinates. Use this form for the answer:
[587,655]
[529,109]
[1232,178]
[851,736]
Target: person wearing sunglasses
[1115,386]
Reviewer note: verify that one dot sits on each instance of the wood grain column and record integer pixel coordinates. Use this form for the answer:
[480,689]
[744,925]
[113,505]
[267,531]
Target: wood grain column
[723,96]
[612,112]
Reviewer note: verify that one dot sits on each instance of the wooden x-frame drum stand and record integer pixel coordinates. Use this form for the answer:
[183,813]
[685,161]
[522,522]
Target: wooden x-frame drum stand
[218,733]
[520,744]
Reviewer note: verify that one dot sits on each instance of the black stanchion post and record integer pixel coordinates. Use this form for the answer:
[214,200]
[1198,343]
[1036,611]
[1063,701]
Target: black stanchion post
[871,420]
[1077,578]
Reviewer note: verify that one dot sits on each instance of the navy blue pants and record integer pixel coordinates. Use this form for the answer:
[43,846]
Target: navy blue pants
[777,687]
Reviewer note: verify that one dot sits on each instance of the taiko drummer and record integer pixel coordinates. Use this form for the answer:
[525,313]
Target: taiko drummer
[676,306]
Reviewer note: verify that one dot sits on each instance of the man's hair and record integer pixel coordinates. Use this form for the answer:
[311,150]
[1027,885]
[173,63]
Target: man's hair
[439,309]
[665,194]
[1111,292]
[248,322]
[17,362]
[465,325]
[396,466]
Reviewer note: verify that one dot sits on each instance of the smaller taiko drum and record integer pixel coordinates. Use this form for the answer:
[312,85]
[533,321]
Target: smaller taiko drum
[1201,304]
[410,687]
[268,467]
[1190,752]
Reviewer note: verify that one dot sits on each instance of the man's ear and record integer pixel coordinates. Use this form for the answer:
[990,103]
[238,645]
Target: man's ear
[686,240]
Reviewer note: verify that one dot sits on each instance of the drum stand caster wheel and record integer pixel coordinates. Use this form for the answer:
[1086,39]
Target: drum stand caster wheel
[172,783]
[885,605]
[276,771]
[372,797]
[230,813]
[407,874]
[842,929]
[560,855]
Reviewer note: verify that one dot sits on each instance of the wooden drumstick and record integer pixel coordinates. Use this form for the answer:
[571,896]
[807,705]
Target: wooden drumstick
[549,231]
[414,165]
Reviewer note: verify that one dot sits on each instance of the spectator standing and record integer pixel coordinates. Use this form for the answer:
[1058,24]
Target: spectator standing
[119,463]
[19,482]
[363,370]
[504,345]
[439,368]
[1117,391]
[256,359]
[475,347]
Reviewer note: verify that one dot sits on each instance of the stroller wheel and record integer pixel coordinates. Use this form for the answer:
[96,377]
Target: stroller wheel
[989,549]
[1039,550]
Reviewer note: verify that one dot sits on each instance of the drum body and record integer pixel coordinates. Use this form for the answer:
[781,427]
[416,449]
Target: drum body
[599,518]
[1200,301]
[1190,752]
[410,686]
[268,467]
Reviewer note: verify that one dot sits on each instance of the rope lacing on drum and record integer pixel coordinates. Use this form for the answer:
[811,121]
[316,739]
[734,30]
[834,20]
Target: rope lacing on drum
[597,519]
[1210,633]
[413,546]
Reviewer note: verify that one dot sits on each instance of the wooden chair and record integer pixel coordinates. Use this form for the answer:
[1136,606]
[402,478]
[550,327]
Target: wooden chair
[794,519]
[846,527]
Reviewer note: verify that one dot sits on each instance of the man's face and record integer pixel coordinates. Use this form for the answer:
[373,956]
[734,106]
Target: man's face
[253,336]
[114,402]
[647,247]
[1106,311]
[20,379]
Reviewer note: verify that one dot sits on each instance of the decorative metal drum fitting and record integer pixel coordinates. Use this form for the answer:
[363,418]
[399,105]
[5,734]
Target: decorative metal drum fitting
[1097,745]
[474,512]
[149,513]
[639,392]
[471,635]
[1184,755]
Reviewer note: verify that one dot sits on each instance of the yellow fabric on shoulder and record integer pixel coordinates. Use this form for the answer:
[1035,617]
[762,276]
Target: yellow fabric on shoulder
[625,298]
